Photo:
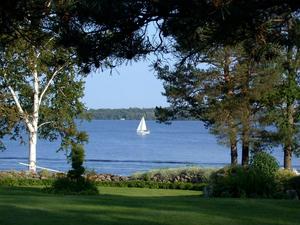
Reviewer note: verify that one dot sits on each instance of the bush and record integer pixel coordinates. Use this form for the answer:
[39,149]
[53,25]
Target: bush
[66,185]
[257,180]
[75,182]
[294,183]
[188,174]
[14,178]
[25,182]
[229,182]
[262,175]
[153,185]
[264,163]
[45,174]
[283,178]
[77,158]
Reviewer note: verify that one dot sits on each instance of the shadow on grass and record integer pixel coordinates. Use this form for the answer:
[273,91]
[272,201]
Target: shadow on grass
[31,206]
[20,190]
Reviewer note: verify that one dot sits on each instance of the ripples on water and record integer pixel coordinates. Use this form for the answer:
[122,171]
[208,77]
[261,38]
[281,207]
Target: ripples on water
[114,147]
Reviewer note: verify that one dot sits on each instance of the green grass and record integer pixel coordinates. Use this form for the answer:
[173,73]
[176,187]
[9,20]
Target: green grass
[30,206]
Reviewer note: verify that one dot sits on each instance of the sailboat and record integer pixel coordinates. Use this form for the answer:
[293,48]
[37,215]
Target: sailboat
[142,128]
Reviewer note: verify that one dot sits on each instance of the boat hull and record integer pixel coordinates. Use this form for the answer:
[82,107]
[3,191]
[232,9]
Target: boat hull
[143,132]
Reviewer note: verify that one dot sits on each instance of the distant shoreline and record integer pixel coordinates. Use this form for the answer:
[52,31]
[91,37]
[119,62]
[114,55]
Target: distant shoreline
[125,114]
[121,114]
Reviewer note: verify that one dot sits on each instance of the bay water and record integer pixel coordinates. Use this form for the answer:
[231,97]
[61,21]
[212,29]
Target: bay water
[114,147]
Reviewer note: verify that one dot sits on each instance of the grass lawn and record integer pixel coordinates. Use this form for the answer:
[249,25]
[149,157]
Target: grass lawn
[30,206]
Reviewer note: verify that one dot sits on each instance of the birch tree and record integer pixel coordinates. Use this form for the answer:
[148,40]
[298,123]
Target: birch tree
[42,85]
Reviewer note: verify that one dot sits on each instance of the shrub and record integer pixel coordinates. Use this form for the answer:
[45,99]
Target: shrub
[229,182]
[75,183]
[66,185]
[283,178]
[257,180]
[264,163]
[9,181]
[294,183]
[262,175]
[90,172]
[46,174]
[14,178]
[61,183]
[77,158]
[188,174]
[153,184]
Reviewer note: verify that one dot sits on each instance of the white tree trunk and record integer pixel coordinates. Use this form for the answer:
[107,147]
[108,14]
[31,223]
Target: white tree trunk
[32,151]
[33,134]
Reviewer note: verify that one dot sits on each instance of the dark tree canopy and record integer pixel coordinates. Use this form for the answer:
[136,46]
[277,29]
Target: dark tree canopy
[116,29]
[223,21]
[100,31]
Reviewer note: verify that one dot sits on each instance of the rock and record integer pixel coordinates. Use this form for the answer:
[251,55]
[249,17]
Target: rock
[177,178]
[107,179]
[121,178]
[183,179]
[115,178]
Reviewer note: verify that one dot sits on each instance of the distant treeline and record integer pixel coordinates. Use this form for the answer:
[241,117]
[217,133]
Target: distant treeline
[118,114]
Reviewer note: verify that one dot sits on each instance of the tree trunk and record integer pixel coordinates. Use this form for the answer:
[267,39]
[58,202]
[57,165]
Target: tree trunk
[32,151]
[290,101]
[233,152]
[245,150]
[288,157]
[33,137]
[245,154]
[246,135]
[33,133]
[245,142]
[288,146]
[246,117]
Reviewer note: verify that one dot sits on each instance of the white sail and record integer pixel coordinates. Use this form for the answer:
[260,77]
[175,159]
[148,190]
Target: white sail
[142,127]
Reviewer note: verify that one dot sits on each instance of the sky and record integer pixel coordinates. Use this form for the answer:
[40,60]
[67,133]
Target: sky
[132,85]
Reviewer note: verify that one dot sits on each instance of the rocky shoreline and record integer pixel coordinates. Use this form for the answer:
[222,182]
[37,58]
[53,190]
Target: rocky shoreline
[156,177]
[49,175]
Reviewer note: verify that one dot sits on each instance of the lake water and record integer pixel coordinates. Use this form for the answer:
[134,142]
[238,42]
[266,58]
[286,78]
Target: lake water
[114,147]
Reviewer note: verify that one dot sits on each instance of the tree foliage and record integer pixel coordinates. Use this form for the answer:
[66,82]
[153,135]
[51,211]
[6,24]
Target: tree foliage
[103,33]
[232,104]
[282,102]
[117,114]
[42,86]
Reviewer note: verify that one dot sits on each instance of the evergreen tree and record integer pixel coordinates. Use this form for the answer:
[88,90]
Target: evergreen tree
[283,101]
[205,94]
[226,95]
[199,25]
